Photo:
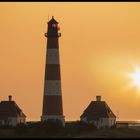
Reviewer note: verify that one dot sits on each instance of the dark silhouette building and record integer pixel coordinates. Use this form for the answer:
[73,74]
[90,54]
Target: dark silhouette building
[10,113]
[99,114]
[52,100]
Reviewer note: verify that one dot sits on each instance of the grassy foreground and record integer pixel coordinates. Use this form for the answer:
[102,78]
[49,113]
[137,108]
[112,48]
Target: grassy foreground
[71,130]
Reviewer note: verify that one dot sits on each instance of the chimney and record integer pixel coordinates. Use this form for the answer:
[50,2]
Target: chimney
[98,98]
[10,98]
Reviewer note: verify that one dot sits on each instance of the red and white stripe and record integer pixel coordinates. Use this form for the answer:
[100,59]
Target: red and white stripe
[52,101]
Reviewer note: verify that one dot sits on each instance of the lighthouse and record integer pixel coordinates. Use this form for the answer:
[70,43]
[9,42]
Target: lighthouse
[52,98]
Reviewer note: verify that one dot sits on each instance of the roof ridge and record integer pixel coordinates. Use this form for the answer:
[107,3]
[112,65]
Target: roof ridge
[97,109]
[11,109]
[19,110]
[110,110]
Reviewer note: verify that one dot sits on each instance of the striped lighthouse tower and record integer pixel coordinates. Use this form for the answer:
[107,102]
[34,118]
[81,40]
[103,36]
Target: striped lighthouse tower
[52,100]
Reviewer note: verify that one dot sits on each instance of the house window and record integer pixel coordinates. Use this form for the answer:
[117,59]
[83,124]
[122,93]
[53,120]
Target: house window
[112,122]
[101,121]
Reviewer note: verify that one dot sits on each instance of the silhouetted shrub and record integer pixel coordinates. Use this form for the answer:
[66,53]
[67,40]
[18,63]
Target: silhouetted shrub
[53,126]
[40,129]
[7,127]
[21,129]
[74,128]
[113,126]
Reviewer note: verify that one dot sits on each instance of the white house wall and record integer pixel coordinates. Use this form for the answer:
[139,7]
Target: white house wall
[102,122]
[20,120]
[12,121]
[106,122]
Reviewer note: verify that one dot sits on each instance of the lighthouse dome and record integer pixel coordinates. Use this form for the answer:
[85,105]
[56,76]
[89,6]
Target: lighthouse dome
[52,21]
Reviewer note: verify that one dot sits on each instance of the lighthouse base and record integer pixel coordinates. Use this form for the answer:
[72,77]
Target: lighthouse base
[53,118]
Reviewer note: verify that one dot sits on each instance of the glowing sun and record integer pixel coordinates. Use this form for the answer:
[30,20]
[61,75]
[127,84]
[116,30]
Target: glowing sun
[135,78]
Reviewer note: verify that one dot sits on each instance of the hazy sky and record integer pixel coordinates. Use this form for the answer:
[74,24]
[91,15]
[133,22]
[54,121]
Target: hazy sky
[100,42]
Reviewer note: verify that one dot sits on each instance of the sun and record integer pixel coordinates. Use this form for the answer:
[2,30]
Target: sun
[134,76]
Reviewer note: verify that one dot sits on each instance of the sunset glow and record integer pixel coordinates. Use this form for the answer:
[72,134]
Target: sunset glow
[98,41]
[135,78]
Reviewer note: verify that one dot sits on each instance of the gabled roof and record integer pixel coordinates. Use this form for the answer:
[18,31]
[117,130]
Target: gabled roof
[96,110]
[10,109]
[52,21]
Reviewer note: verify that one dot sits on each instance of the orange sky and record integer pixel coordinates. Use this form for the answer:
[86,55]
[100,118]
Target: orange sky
[100,42]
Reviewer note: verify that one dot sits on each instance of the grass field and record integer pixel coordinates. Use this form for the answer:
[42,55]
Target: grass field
[73,130]
[111,133]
